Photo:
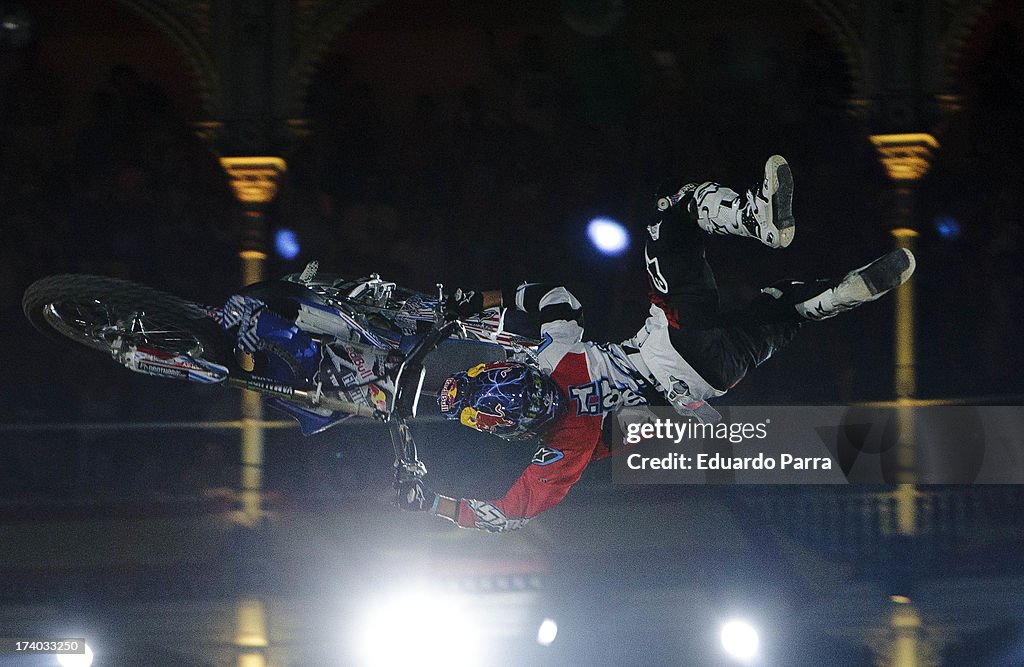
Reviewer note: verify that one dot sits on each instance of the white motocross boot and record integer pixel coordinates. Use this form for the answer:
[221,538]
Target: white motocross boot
[764,213]
[860,286]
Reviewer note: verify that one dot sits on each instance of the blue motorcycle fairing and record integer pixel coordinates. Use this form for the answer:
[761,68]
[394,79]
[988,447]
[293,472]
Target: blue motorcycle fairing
[310,422]
[288,338]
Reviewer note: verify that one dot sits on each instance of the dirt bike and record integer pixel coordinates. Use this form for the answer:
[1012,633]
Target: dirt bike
[320,347]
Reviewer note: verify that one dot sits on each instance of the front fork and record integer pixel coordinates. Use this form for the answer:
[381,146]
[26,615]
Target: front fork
[408,467]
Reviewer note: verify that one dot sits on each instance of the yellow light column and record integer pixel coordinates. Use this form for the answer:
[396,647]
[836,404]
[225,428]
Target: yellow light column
[251,633]
[254,182]
[905,381]
[905,340]
[906,158]
[906,649]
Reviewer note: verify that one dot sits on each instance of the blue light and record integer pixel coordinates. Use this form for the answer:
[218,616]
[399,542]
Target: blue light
[947,227]
[286,242]
[608,236]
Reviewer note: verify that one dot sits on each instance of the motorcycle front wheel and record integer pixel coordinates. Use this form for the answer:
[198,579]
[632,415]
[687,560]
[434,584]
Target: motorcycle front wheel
[101,313]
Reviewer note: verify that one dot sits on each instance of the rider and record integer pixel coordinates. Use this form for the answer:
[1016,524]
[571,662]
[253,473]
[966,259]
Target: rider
[686,352]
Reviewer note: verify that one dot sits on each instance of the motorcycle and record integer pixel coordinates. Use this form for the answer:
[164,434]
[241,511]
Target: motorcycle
[322,348]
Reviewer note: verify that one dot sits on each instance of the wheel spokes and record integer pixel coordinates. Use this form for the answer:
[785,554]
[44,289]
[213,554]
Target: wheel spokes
[97,325]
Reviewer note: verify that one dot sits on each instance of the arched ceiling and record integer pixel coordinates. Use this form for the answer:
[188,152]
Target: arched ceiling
[317,24]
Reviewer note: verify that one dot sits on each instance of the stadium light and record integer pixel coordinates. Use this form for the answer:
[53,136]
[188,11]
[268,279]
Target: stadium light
[547,632]
[608,236]
[740,640]
[17,27]
[286,242]
[947,227]
[76,659]
[417,627]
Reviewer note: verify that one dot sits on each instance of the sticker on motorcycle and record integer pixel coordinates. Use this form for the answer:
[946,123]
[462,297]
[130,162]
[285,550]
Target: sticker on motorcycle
[162,364]
[359,363]
[163,371]
[379,398]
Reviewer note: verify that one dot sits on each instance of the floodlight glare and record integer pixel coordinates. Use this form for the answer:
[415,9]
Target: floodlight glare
[286,242]
[740,640]
[547,632]
[417,628]
[17,27]
[608,236]
[76,659]
[947,227]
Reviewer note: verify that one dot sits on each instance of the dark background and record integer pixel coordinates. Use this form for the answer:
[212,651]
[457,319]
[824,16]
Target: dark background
[470,143]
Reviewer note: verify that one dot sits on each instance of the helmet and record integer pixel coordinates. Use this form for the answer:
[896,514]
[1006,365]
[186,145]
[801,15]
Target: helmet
[509,399]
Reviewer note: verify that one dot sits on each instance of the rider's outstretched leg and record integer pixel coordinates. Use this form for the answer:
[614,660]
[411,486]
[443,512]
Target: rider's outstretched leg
[860,286]
[749,337]
[792,300]
[765,212]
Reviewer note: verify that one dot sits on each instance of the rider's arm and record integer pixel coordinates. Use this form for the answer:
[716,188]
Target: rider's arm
[492,298]
[550,301]
[556,466]
[560,313]
[554,305]
[533,493]
[447,508]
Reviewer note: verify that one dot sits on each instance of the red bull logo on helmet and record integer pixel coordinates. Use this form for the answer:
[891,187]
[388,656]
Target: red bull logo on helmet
[485,421]
[449,392]
[494,366]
